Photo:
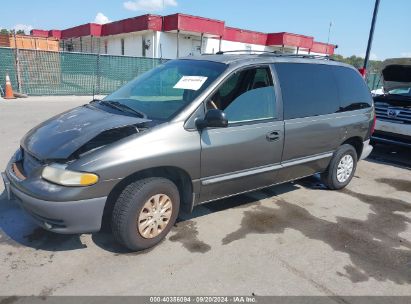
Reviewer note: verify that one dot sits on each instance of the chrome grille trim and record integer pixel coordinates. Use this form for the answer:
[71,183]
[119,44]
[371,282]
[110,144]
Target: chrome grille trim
[403,116]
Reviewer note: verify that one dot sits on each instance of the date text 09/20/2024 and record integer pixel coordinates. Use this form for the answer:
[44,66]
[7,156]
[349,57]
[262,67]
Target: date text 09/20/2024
[211,299]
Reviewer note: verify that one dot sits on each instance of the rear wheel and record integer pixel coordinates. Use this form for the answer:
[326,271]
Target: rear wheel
[145,212]
[341,168]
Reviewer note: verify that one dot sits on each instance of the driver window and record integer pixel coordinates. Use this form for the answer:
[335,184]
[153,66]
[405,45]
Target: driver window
[246,95]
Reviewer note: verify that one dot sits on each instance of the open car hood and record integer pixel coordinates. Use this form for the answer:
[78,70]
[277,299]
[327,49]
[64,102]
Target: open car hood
[61,136]
[397,75]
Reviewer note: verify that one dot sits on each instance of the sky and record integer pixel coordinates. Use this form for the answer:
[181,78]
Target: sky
[351,19]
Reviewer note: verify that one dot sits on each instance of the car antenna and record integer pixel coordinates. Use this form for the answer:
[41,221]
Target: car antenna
[94,98]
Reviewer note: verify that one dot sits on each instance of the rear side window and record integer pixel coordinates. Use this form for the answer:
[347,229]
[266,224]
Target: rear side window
[307,89]
[354,93]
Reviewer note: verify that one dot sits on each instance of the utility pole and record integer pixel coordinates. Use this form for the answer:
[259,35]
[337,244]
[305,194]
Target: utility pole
[370,37]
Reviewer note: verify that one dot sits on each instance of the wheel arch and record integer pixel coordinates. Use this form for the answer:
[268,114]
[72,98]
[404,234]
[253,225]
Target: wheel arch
[177,175]
[357,143]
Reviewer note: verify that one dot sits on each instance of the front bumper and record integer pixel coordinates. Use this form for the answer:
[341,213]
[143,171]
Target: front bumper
[67,217]
[393,127]
[392,133]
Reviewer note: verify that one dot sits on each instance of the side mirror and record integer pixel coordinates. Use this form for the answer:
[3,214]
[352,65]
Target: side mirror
[213,119]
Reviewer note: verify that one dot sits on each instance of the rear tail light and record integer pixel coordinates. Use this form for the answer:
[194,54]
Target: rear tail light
[363,72]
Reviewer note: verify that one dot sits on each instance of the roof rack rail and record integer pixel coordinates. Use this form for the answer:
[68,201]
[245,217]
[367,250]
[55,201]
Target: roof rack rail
[277,53]
[247,51]
[310,56]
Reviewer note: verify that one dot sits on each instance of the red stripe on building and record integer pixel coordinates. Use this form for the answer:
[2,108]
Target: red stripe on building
[39,33]
[55,34]
[244,36]
[88,29]
[188,23]
[323,48]
[290,39]
[140,23]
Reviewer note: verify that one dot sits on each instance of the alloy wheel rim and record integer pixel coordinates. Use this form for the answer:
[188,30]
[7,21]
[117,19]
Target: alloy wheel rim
[345,168]
[154,216]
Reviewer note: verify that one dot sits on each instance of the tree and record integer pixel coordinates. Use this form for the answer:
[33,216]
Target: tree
[374,66]
[11,32]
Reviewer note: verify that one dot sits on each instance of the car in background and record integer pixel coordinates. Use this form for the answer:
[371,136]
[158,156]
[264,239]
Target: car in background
[393,107]
[379,91]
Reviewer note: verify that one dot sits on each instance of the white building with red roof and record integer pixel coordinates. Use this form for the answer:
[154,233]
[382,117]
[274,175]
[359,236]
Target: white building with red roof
[177,35]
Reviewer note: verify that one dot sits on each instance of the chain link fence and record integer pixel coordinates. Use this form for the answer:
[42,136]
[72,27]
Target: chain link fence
[374,81]
[39,72]
[36,72]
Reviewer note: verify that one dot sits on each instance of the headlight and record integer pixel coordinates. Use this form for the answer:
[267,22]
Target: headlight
[58,174]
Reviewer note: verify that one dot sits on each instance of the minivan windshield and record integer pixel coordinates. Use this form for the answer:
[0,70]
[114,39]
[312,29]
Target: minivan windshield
[164,91]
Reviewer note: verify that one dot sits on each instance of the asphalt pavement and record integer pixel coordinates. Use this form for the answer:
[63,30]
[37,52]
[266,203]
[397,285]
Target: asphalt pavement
[293,239]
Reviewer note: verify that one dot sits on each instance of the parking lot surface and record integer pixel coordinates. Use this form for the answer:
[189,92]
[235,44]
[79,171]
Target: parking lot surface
[293,239]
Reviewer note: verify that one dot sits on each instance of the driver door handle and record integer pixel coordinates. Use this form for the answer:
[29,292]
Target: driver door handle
[273,136]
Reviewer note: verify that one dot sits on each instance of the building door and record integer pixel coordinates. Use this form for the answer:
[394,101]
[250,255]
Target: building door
[196,47]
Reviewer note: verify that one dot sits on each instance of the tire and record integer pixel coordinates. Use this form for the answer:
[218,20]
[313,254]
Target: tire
[330,177]
[131,207]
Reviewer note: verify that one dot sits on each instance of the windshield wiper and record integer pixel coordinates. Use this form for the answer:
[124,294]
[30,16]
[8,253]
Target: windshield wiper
[121,107]
[128,108]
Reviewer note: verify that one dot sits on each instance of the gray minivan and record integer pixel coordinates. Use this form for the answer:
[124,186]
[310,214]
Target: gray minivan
[188,132]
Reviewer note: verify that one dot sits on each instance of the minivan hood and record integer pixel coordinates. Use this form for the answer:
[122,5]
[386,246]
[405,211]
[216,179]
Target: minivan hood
[396,76]
[62,135]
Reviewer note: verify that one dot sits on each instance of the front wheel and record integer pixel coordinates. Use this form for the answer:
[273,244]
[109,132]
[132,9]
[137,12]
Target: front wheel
[145,212]
[341,168]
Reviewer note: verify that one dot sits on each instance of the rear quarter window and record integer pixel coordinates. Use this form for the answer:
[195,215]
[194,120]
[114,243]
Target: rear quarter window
[353,91]
[307,89]
[319,89]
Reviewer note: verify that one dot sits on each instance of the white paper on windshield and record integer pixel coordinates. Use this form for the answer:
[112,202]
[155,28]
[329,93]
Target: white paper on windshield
[190,82]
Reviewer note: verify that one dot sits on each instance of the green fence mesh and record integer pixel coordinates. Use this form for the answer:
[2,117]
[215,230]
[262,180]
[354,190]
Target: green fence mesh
[116,71]
[66,73]
[374,81]
[7,65]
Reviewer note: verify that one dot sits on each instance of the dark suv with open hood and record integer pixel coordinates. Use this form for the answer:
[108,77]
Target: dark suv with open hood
[393,107]
[188,132]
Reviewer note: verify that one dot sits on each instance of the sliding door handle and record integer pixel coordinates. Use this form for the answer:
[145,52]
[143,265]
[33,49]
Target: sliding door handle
[273,136]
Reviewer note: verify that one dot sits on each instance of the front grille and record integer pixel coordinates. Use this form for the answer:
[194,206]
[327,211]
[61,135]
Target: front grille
[30,163]
[396,114]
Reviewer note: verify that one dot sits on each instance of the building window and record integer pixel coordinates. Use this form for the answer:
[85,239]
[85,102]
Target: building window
[146,46]
[69,46]
[105,46]
[122,46]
